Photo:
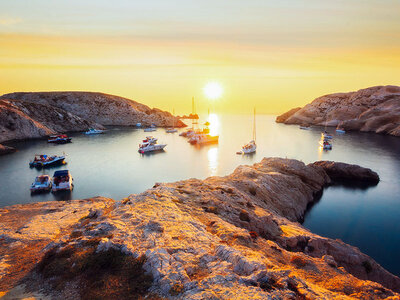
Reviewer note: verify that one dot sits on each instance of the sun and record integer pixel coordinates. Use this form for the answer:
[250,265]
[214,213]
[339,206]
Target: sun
[213,90]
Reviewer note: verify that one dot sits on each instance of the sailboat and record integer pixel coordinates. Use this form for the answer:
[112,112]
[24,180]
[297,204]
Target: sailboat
[251,146]
[173,129]
[191,131]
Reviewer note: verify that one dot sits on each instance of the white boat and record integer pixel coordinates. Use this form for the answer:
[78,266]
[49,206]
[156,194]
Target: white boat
[171,130]
[138,124]
[250,147]
[59,139]
[94,131]
[203,138]
[340,130]
[151,146]
[187,133]
[150,139]
[325,144]
[325,136]
[62,181]
[42,184]
[149,129]
[305,127]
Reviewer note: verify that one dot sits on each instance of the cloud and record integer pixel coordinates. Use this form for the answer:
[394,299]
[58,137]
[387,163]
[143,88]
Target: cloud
[6,21]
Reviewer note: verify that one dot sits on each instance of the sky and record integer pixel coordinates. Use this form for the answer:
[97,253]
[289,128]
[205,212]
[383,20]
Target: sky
[273,55]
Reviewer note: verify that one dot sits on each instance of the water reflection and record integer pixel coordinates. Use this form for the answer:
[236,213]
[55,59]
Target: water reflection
[212,155]
[213,119]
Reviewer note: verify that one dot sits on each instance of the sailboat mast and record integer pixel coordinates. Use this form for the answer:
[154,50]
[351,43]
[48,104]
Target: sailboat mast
[173,120]
[192,112]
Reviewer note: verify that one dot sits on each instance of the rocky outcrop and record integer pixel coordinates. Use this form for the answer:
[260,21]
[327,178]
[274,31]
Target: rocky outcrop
[282,118]
[375,109]
[220,238]
[100,108]
[6,150]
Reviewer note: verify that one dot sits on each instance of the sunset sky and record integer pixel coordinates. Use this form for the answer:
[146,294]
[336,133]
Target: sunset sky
[270,54]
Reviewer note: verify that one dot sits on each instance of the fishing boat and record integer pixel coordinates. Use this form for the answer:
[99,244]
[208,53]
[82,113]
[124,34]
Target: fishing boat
[325,144]
[203,138]
[94,131]
[62,181]
[42,183]
[251,146]
[59,139]
[43,161]
[150,146]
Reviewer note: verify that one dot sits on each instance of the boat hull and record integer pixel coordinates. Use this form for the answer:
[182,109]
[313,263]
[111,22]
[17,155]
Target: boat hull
[152,148]
[40,164]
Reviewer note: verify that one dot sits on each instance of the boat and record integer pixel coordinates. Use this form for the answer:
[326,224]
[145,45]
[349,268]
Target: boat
[305,127]
[325,144]
[325,135]
[338,130]
[150,146]
[151,128]
[43,161]
[138,124]
[251,146]
[94,131]
[59,139]
[42,183]
[172,129]
[203,138]
[187,133]
[62,181]
[150,139]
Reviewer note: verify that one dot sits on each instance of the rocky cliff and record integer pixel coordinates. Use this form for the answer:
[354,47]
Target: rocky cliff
[30,115]
[233,237]
[375,109]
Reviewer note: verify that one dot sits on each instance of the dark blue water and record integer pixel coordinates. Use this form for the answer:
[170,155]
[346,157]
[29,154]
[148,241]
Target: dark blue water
[109,165]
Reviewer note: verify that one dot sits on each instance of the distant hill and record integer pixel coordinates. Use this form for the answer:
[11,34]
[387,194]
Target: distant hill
[374,109]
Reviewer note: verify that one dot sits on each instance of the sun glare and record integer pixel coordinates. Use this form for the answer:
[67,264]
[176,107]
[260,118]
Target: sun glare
[213,90]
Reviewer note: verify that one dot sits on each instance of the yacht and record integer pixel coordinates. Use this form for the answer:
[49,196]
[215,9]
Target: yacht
[150,139]
[94,131]
[42,184]
[59,139]
[150,146]
[203,138]
[62,181]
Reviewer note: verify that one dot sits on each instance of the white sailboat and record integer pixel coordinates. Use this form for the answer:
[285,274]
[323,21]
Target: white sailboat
[172,129]
[251,146]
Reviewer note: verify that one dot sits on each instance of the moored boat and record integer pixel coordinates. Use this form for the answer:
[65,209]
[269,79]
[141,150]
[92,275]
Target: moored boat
[150,146]
[203,138]
[42,183]
[43,161]
[325,144]
[303,127]
[94,131]
[338,130]
[62,181]
[325,135]
[250,147]
[59,139]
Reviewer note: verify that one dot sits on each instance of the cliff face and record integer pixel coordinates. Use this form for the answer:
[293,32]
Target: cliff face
[375,109]
[219,238]
[100,108]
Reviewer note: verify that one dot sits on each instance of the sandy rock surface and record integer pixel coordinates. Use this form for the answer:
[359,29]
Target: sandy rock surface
[374,109]
[233,237]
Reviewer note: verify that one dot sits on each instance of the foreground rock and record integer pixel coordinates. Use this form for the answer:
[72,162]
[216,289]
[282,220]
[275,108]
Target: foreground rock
[6,150]
[375,109]
[32,115]
[233,237]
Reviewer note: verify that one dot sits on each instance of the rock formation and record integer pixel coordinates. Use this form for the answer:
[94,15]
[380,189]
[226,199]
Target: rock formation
[375,109]
[233,237]
[6,149]
[32,115]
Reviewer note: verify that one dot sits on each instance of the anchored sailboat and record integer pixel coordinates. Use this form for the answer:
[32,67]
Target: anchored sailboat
[173,129]
[251,146]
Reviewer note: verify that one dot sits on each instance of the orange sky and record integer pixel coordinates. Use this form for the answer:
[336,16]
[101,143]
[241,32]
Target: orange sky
[272,56]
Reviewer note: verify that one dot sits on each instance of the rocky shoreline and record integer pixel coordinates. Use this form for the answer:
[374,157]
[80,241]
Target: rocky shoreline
[375,109]
[39,114]
[228,237]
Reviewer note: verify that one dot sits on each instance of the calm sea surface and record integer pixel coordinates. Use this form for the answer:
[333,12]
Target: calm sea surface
[109,165]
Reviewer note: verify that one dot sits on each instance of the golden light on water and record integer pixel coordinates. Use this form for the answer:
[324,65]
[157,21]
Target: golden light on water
[213,119]
[212,156]
[213,90]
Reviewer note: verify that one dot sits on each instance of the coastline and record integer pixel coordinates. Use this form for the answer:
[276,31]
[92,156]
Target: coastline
[243,225]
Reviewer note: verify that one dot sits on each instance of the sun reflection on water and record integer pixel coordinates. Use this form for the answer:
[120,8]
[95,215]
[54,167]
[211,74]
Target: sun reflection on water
[212,156]
[213,119]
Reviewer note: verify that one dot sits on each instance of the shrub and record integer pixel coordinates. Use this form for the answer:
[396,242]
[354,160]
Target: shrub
[253,190]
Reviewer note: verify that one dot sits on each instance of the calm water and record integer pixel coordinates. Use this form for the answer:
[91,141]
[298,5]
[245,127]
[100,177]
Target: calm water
[109,165]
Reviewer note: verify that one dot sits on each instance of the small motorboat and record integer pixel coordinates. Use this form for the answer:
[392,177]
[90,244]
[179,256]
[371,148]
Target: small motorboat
[150,139]
[138,124]
[249,148]
[62,181]
[203,138]
[325,144]
[171,130]
[341,131]
[187,133]
[59,139]
[43,161]
[305,127]
[42,184]
[325,135]
[94,131]
[153,127]
[151,146]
